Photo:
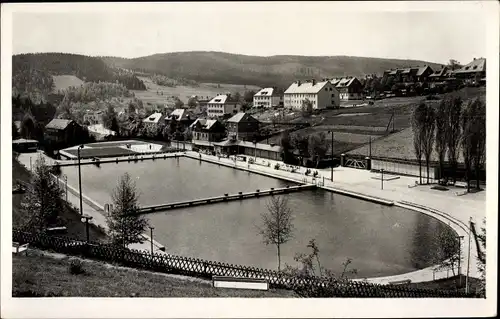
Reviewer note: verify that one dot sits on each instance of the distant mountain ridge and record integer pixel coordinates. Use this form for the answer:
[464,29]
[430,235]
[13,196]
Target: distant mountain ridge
[280,70]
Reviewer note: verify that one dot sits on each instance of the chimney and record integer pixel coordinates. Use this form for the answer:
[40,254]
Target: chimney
[298,83]
[313,82]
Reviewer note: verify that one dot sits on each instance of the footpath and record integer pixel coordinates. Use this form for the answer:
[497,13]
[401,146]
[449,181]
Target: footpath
[445,206]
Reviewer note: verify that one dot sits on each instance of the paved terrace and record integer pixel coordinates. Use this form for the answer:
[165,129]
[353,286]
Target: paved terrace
[443,205]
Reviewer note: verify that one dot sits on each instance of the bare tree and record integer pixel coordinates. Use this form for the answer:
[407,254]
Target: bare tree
[448,256]
[479,119]
[454,111]
[428,128]
[277,228]
[417,124]
[442,132]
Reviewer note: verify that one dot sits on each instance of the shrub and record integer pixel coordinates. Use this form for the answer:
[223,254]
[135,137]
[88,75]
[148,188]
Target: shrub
[315,173]
[308,171]
[277,166]
[76,267]
[56,170]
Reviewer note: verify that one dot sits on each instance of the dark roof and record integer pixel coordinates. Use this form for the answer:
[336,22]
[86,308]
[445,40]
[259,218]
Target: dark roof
[240,117]
[58,124]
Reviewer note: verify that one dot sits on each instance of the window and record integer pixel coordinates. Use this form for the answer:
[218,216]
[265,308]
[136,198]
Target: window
[333,95]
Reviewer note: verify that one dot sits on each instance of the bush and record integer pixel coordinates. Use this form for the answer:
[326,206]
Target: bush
[308,171]
[76,267]
[315,173]
[277,166]
[56,170]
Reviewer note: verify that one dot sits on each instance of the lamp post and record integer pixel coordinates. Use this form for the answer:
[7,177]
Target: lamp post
[66,183]
[459,257]
[151,239]
[331,172]
[85,218]
[382,178]
[80,179]
[370,153]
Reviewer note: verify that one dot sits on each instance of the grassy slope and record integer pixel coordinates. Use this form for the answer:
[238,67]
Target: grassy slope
[244,69]
[62,82]
[48,276]
[71,219]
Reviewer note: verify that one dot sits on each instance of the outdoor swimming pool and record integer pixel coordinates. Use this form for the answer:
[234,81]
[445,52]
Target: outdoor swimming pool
[381,240]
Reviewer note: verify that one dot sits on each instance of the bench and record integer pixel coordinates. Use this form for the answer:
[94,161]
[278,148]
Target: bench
[400,282]
[17,248]
[240,283]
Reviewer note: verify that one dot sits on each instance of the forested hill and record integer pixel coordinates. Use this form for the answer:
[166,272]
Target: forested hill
[33,72]
[278,70]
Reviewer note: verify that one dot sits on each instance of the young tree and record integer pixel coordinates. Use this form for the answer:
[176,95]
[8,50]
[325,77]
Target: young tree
[109,118]
[467,140]
[287,147]
[192,101]
[42,203]
[454,111]
[429,126]
[28,126]
[417,125]
[277,228]
[125,224]
[318,147]
[178,103]
[479,120]
[449,252]
[301,143]
[481,260]
[442,132]
[248,96]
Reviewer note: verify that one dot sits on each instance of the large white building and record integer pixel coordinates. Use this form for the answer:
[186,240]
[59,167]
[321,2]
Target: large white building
[267,97]
[222,105]
[155,120]
[321,94]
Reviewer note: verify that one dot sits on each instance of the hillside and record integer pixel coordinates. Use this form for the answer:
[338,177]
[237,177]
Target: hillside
[32,73]
[278,70]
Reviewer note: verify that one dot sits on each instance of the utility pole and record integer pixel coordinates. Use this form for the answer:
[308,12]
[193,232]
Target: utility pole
[370,144]
[393,120]
[331,172]
[86,218]
[80,179]
[66,181]
[459,259]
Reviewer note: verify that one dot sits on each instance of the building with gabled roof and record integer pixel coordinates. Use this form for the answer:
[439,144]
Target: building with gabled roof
[60,132]
[221,105]
[474,71]
[243,126]
[154,121]
[350,88]
[321,94]
[207,131]
[268,97]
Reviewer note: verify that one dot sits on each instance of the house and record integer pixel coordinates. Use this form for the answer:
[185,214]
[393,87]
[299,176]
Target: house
[350,88]
[268,97]
[206,131]
[182,117]
[243,126]
[321,94]
[61,132]
[410,74]
[423,73]
[441,75]
[154,121]
[93,117]
[473,72]
[221,105]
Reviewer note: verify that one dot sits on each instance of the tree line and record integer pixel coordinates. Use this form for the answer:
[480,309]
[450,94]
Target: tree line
[304,150]
[450,128]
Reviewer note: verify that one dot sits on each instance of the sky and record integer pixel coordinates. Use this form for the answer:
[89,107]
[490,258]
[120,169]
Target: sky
[264,29]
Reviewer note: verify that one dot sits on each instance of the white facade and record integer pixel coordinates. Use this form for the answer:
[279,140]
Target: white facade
[93,117]
[321,94]
[219,106]
[267,97]
[155,120]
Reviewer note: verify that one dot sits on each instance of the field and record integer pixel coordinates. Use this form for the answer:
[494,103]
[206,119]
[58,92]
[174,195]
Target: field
[39,275]
[184,92]
[62,82]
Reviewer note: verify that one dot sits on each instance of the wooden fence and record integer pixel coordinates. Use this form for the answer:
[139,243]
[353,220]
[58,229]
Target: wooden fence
[304,286]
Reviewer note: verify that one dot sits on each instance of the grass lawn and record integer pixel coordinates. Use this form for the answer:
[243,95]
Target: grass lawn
[41,275]
[70,218]
[62,82]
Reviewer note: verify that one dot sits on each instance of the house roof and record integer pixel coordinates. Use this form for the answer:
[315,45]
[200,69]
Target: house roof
[221,99]
[441,72]
[477,65]
[240,117]
[204,123]
[153,118]
[179,114]
[58,124]
[343,82]
[266,92]
[422,70]
[305,87]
